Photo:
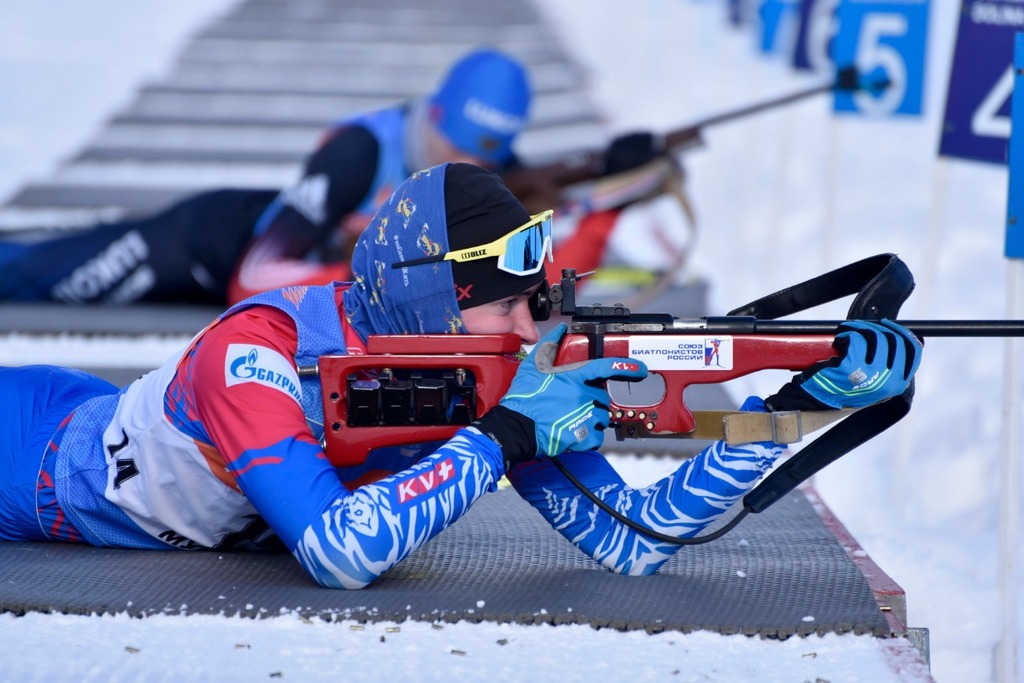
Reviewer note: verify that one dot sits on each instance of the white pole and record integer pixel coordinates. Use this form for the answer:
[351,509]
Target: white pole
[1010,483]
[830,222]
[936,227]
[1009,466]
[922,310]
[775,221]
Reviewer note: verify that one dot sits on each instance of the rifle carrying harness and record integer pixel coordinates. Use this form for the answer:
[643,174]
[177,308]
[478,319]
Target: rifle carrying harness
[882,283]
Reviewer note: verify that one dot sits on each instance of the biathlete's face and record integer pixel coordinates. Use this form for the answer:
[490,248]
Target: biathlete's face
[439,150]
[511,314]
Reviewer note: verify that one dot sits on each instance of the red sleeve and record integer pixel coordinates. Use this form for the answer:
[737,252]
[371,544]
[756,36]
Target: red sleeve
[263,270]
[584,249]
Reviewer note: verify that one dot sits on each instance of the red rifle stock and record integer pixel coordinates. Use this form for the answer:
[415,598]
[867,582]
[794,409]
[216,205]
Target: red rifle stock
[669,416]
[488,363]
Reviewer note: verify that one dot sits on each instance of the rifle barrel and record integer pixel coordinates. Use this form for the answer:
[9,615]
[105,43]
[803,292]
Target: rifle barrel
[922,328]
[757,108]
[965,328]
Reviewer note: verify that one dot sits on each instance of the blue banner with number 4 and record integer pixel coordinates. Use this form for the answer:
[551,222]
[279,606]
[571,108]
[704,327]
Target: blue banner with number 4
[886,40]
[976,124]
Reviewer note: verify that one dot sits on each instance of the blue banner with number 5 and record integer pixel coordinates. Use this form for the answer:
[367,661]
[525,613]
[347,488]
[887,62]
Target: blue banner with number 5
[976,124]
[886,40]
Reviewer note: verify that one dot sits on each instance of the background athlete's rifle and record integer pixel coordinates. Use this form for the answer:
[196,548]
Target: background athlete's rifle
[411,389]
[540,187]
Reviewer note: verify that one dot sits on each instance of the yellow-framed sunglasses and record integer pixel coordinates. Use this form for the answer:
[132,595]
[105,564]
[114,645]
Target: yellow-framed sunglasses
[520,252]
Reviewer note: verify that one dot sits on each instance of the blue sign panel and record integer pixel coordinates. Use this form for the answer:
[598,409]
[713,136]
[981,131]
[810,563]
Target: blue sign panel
[815,29]
[1015,201]
[976,124]
[778,24]
[885,40]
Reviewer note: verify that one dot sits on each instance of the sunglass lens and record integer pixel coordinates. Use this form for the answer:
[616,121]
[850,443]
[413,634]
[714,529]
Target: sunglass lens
[525,251]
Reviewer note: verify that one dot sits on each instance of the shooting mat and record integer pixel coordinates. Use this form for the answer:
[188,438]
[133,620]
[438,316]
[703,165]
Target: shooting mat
[779,573]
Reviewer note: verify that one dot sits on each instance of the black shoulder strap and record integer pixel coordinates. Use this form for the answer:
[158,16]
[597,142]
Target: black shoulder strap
[882,283]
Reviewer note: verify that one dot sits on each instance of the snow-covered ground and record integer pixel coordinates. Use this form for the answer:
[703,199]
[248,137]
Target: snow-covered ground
[781,197]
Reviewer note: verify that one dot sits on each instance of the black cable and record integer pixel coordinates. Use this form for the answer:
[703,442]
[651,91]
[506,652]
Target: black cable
[645,530]
[853,431]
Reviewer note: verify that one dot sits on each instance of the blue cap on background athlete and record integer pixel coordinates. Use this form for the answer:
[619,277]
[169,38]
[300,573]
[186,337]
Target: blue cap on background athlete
[483,104]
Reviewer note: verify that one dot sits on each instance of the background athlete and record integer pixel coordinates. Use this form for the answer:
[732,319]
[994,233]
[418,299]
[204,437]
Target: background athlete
[224,245]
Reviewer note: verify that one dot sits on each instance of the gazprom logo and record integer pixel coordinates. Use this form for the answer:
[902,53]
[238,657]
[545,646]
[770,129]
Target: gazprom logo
[245,363]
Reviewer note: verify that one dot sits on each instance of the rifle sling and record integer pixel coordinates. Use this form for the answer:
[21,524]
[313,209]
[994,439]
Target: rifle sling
[860,427]
[881,284]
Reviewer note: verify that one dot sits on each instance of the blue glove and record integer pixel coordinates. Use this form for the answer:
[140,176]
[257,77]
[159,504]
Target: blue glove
[877,361]
[550,409]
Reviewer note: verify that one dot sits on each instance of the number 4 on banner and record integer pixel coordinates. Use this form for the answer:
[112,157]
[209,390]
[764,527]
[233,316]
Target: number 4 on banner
[886,41]
[976,122]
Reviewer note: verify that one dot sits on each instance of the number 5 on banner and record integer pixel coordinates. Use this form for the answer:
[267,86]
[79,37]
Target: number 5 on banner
[886,41]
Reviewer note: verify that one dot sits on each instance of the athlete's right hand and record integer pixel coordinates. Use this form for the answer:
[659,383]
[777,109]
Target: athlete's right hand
[550,409]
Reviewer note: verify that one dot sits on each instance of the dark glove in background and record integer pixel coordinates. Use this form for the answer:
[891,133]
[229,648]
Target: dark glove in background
[632,150]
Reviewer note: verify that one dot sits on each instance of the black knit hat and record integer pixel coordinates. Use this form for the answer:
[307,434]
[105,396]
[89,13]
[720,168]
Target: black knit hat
[480,209]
